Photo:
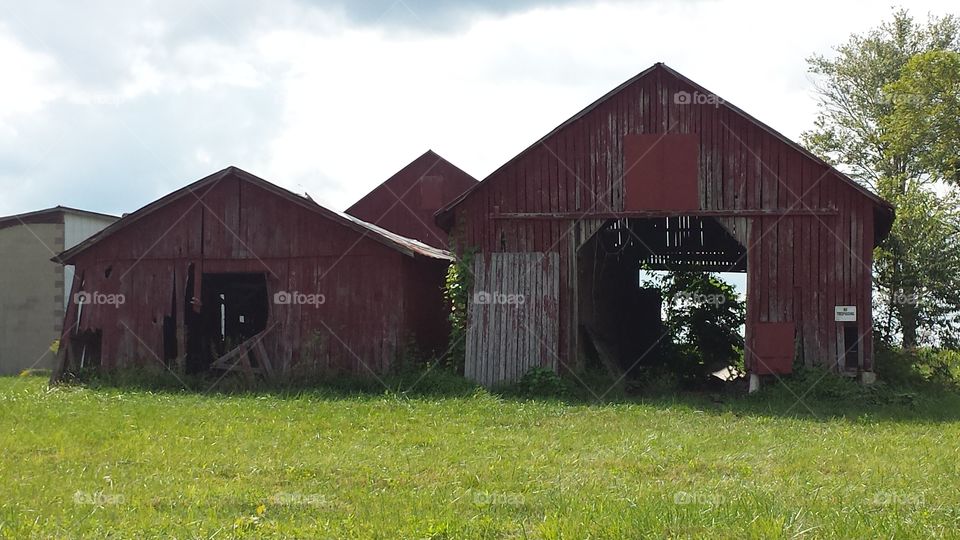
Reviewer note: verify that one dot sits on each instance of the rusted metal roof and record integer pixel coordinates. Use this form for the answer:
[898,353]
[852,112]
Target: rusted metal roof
[410,244]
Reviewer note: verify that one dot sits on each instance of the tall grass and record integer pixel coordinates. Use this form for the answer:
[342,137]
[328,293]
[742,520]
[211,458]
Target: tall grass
[342,462]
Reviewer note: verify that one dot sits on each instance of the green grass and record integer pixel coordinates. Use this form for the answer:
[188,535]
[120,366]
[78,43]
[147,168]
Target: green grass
[82,462]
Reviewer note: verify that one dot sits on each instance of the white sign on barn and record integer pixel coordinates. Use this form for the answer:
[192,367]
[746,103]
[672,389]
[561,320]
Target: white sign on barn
[845,314]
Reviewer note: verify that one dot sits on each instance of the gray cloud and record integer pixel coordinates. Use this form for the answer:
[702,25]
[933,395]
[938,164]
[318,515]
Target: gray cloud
[97,147]
[115,158]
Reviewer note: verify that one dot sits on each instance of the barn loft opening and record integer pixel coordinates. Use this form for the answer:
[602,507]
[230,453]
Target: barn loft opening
[620,315]
[233,308]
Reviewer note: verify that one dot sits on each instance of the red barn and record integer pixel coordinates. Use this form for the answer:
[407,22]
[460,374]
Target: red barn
[233,263]
[660,173]
[406,202]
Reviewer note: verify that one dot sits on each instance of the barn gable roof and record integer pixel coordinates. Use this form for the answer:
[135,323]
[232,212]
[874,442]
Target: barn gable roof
[885,209]
[385,204]
[406,246]
[386,184]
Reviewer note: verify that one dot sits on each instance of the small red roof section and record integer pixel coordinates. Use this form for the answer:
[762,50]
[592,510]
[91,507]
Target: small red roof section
[405,203]
[407,246]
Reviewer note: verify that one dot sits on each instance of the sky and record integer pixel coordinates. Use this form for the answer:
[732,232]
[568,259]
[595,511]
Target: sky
[107,106]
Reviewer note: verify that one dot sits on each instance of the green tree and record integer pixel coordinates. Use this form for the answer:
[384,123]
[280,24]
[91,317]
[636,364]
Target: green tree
[854,88]
[457,288]
[917,286]
[888,117]
[703,316]
[924,125]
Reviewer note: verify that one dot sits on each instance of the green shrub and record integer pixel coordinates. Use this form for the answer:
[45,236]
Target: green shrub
[913,368]
[702,317]
[456,291]
[821,385]
[940,366]
[537,382]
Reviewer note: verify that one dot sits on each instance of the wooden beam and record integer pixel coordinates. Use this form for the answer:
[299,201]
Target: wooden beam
[577,216]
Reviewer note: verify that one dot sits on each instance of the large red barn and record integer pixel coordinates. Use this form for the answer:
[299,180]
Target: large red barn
[662,174]
[233,259]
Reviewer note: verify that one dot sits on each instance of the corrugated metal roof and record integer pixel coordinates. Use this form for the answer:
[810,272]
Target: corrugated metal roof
[414,245]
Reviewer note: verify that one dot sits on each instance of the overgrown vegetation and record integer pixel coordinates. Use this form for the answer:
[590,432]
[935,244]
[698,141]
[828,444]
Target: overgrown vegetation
[703,316]
[539,382]
[418,378]
[919,368]
[456,291]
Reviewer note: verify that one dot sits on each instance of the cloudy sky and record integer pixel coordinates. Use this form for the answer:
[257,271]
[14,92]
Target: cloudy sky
[109,105]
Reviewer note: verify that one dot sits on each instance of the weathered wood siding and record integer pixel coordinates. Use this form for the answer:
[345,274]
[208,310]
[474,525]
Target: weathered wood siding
[513,323]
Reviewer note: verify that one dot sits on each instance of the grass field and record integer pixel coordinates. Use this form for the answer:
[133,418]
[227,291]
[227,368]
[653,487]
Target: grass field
[113,463]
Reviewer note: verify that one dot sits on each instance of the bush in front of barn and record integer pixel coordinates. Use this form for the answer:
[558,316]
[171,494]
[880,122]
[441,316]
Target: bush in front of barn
[917,368]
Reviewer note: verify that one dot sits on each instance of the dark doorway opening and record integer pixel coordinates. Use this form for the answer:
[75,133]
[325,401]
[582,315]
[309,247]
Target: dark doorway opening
[234,308]
[85,349]
[621,329]
[851,347]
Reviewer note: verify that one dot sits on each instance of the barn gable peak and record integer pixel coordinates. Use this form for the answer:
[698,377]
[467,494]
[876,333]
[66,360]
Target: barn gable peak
[407,246]
[661,72]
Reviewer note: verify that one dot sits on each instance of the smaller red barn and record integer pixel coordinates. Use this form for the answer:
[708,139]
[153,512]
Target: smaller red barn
[405,202]
[233,270]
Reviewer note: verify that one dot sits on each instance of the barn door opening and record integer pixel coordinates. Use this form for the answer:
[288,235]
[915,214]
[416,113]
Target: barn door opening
[851,347]
[234,307]
[620,315]
[84,349]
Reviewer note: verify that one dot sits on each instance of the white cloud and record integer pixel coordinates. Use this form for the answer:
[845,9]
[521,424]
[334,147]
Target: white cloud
[27,83]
